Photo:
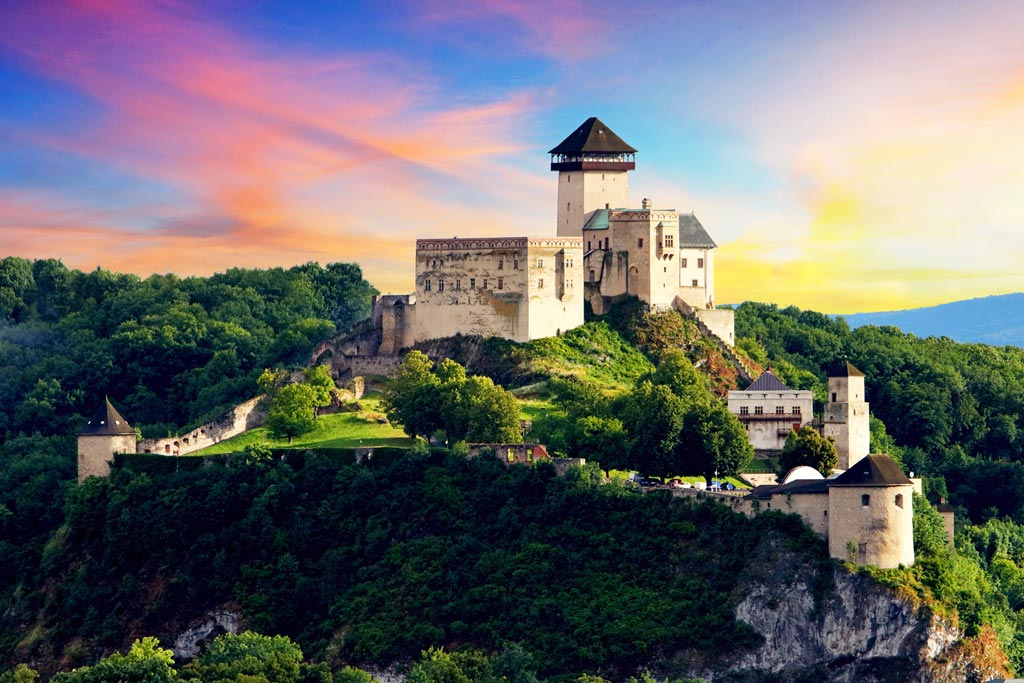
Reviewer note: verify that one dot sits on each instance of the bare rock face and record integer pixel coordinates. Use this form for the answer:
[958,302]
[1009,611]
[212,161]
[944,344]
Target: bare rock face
[191,642]
[822,623]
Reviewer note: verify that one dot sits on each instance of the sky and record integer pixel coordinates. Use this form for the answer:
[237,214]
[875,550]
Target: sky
[845,156]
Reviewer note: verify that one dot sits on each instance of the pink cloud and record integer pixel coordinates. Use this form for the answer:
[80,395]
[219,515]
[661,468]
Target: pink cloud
[247,138]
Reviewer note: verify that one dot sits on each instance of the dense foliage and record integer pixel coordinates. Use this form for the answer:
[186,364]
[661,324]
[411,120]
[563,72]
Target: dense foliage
[372,563]
[168,351]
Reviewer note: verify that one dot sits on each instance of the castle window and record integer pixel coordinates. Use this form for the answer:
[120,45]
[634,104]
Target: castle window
[758,410]
[458,285]
[515,264]
[780,410]
[567,205]
[833,397]
[899,500]
[440,285]
[682,262]
[668,241]
[501,283]
[591,275]
[588,245]
[540,263]
[529,455]
[700,263]
[694,283]
[472,283]
[540,283]
[433,264]
[484,284]
[426,285]
[862,552]
[501,264]
[511,455]
[796,410]
[605,242]
[744,410]
[640,242]
[865,500]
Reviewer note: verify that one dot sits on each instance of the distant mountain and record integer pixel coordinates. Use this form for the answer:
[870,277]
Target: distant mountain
[994,320]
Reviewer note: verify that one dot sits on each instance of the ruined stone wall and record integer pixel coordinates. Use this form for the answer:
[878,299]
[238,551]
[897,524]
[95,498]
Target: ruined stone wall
[721,322]
[241,418]
[382,365]
[879,527]
[96,451]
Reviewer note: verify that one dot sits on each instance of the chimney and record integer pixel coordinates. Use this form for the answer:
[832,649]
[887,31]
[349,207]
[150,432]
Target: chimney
[646,204]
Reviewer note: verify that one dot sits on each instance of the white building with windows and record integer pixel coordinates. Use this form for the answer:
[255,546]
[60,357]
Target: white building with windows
[769,411]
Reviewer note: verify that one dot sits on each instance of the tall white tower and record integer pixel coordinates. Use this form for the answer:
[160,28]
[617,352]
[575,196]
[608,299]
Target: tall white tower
[592,165]
[846,415]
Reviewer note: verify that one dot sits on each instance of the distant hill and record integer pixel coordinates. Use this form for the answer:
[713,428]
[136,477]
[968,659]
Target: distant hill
[994,320]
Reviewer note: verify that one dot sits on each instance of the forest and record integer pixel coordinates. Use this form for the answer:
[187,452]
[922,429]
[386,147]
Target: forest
[312,547]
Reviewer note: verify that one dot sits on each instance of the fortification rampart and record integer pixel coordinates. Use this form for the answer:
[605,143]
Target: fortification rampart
[241,418]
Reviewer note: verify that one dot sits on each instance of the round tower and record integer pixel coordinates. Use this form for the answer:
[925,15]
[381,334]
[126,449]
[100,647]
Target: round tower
[592,165]
[871,514]
[104,435]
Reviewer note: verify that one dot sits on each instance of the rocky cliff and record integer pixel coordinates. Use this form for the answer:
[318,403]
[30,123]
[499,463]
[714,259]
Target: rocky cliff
[832,625]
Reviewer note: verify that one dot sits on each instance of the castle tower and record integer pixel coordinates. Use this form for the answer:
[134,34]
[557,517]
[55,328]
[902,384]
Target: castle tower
[592,165]
[846,418]
[105,434]
[870,514]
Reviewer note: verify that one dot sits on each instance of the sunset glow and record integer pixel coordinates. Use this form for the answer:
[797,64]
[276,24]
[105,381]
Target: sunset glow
[845,156]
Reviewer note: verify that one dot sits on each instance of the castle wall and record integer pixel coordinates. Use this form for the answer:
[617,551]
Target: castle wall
[96,451]
[243,417]
[519,288]
[881,530]
[580,193]
[721,322]
[812,507]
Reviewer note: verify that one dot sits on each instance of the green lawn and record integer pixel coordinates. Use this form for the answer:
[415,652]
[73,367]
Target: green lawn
[342,430]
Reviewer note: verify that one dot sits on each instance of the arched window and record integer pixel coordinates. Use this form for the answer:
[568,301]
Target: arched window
[899,500]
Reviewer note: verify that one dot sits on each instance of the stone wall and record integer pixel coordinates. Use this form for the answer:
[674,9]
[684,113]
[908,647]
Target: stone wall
[381,365]
[880,526]
[241,418]
[720,321]
[96,451]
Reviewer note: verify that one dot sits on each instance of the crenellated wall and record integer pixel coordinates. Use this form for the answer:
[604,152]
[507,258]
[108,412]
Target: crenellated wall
[241,418]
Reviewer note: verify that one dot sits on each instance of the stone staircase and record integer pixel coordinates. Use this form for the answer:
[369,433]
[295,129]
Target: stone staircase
[728,351]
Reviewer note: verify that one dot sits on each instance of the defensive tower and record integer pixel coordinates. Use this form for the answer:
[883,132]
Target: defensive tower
[104,435]
[592,164]
[846,415]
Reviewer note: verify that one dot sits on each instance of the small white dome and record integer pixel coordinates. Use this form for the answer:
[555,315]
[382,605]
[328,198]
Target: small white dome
[802,473]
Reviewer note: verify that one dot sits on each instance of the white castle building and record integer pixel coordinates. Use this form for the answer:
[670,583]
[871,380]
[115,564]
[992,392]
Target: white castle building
[524,288]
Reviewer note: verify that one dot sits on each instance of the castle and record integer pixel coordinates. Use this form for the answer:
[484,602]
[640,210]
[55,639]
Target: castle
[524,288]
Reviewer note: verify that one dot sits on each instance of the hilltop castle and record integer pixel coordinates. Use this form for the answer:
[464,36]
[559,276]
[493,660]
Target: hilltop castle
[524,288]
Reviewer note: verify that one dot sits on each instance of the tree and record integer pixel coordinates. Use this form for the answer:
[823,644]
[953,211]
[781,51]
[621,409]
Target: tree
[146,662]
[250,658]
[437,666]
[677,372]
[412,396]
[808,447]
[655,418]
[319,378]
[481,411]
[713,442]
[292,412]
[602,439]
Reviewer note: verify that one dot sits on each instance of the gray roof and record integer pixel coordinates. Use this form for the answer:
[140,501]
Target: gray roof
[106,421]
[767,382]
[844,369]
[875,469]
[593,137]
[692,234]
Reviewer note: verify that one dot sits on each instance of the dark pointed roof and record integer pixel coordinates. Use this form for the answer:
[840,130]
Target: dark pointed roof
[593,137]
[768,381]
[106,421]
[844,369]
[692,234]
[875,469]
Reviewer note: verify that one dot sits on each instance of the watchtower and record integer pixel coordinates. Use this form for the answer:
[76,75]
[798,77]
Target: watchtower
[846,420]
[592,165]
[104,435]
